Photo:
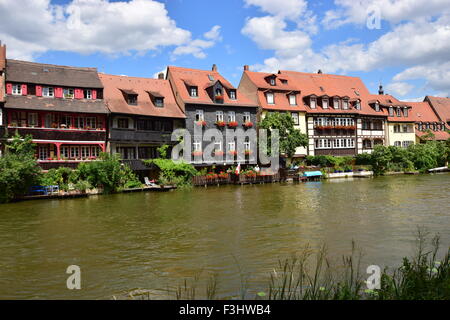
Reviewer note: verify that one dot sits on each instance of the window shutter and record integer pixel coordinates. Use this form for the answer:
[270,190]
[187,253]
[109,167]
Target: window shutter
[9,88]
[94,94]
[38,91]
[78,94]
[24,90]
[58,92]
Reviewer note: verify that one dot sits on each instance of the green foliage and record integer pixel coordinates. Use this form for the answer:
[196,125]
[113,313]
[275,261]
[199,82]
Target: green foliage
[18,169]
[173,173]
[329,161]
[290,138]
[60,177]
[109,173]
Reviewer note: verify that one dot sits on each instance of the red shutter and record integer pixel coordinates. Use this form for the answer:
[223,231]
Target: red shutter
[38,91]
[9,88]
[94,94]
[58,92]
[24,89]
[77,94]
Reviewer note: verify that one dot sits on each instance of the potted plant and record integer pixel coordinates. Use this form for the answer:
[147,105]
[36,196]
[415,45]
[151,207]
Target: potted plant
[201,123]
[223,175]
[221,124]
[232,124]
[233,153]
[248,124]
[197,153]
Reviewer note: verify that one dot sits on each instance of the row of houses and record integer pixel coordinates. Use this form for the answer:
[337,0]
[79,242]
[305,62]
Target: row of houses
[75,113]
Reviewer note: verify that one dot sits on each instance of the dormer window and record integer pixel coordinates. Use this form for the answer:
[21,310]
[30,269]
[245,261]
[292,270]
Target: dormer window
[16,89]
[313,103]
[405,112]
[345,104]
[68,93]
[233,94]
[325,103]
[48,92]
[336,103]
[159,102]
[132,99]
[391,111]
[292,99]
[377,107]
[358,105]
[193,91]
[399,112]
[87,94]
[284,81]
[270,98]
[272,81]
[218,92]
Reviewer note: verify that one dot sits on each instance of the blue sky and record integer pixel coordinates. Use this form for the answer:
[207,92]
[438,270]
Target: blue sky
[406,47]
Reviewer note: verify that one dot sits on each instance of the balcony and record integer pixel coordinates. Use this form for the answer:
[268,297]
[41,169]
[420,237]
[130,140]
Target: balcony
[60,134]
[140,136]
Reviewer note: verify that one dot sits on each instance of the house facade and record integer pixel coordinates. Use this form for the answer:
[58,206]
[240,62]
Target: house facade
[209,101]
[143,114]
[428,125]
[61,107]
[275,93]
[441,107]
[2,95]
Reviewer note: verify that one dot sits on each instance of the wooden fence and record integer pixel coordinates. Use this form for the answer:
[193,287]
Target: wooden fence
[234,179]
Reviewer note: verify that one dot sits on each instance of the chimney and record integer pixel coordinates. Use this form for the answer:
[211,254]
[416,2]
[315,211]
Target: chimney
[380,90]
[246,68]
[214,68]
[319,72]
[161,76]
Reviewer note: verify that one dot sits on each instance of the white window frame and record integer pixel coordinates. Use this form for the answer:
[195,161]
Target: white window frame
[247,117]
[199,115]
[43,152]
[85,152]
[232,94]
[65,153]
[270,98]
[193,91]
[91,122]
[295,117]
[313,103]
[358,105]
[218,145]
[247,145]
[231,146]
[325,103]
[68,93]
[345,104]
[219,116]
[33,119]
[336,103]
[48,92]
[231,116]
[16,89]
[95,151]
[197,145]
[292,99]
[87,94]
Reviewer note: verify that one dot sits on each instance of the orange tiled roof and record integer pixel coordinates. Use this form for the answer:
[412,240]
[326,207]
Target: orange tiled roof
[438,135]
[441,106]
[113,95]
[422,112]
[184,77]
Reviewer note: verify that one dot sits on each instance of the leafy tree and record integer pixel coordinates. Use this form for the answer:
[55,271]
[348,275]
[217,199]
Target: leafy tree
[290,138]
[18,168]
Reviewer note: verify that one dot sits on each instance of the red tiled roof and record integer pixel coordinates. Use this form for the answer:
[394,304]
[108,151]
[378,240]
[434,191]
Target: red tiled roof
[438,135]
[183,77]
[422,112]
[115,85]
[441,106]
[259,79]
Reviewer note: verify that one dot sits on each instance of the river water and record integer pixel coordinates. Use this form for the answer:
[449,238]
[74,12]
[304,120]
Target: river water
[238,233]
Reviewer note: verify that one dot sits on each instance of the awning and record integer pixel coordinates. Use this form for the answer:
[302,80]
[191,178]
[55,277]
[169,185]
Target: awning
[312,174]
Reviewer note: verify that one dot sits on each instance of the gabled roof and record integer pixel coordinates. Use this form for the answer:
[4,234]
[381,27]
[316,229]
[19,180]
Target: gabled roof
[47,74]
[183,77]
[259,80]
[422,112]
[441,106]
[438,135]
[115,101]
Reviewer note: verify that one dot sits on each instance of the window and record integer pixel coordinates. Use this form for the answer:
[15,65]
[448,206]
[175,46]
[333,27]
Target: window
[231,116]
[88,94]
[219,116]
[366,125]
[65,152]
[66,121]
[406,144]
[16,89]
[367,144]
[199,115]
[32,119]
[127,153]
[377,125]
[85,152]
[68,94]
[122,123]
[272,81]
[91,122]
[43,152]
[132,98]
[197,145]
[247,145]
[159,102]
[398,143]
[79,123]
[336,103]
[391,111]
[405,112]
[217,145]
[292,99]
[193,92]
[48,92]
[95,151]
[231,146]
[74,152]
[232,94]
[313,103]
[270,98]
[399,112]
[218,92]
[295,118]
[325,103]
[397,128]
[345,104]
[358,105]
[247,117]
[377,107]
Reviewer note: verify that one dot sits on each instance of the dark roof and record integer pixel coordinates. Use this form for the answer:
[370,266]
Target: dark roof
[55,104]
[47,74]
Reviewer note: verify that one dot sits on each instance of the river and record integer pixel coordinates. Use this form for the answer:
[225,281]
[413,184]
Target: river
[156,240]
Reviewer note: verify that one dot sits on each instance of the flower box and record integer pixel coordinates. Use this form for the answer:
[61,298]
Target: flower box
[233,153]
[221,124]
[197,153]
[223,175]
[248,152]
[248,124]
[232,124]
[201,123]
[219,97]
[218,153]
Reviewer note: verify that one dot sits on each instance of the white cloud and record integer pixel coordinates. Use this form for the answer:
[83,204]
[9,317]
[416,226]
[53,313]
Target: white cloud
[87,26]
[197,47]
[291,9]
[399,88]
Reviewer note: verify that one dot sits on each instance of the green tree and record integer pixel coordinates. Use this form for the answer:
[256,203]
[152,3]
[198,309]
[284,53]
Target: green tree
[290,137]
[18,168]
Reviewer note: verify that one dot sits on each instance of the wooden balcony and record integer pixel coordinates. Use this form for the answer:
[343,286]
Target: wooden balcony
[335,152]
[60,134]
[140,136]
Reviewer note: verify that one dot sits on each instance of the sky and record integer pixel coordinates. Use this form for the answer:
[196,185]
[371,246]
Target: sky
[403,44]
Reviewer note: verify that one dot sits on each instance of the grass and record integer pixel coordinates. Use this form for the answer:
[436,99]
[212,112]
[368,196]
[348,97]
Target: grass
[310,275]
